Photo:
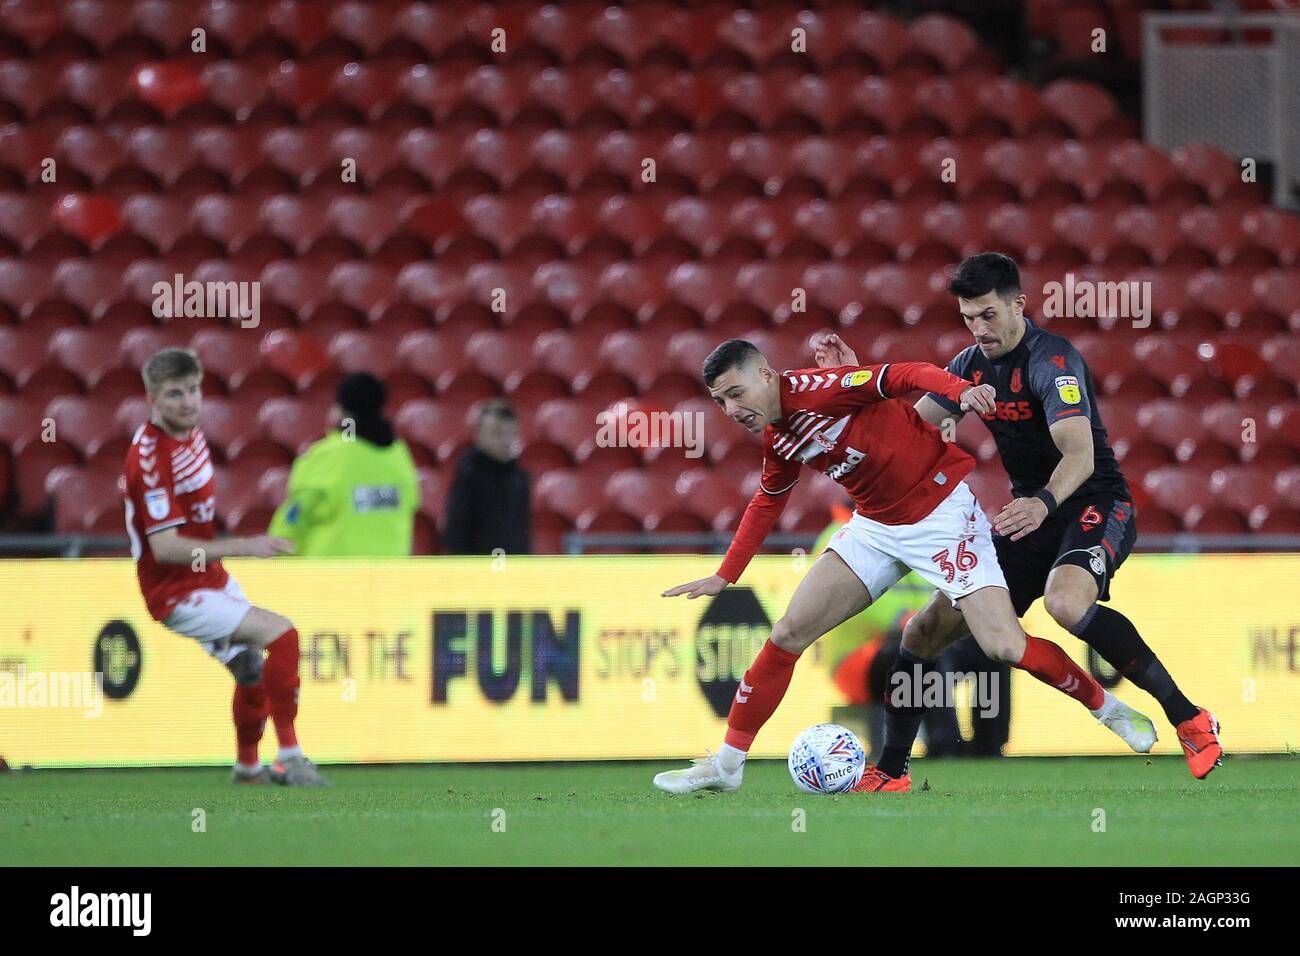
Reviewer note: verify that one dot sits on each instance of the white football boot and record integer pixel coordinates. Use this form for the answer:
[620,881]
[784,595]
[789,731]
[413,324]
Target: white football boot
[706,773]
[1131,726]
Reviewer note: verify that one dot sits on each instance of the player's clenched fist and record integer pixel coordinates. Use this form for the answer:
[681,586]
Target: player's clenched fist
[711,585]
[265,546]
[981,398]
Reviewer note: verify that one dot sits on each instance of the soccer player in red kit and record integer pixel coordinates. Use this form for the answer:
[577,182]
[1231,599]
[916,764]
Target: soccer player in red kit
[171,520]
[912,511]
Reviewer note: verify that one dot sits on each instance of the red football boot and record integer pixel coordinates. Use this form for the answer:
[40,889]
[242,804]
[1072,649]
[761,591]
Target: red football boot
[1200,739]
[875,780]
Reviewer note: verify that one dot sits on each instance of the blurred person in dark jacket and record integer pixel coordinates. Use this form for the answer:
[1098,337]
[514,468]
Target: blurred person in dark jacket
[488,507]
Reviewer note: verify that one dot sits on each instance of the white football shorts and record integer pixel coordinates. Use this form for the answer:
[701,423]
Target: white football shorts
[951,547]
[210,616]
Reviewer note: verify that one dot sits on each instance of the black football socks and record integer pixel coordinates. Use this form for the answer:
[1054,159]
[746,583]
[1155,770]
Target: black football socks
[1115,638]
[903,711]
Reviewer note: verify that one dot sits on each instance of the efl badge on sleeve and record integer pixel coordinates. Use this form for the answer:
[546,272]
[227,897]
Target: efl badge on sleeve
[860,377]
[1067,386]
[156,502]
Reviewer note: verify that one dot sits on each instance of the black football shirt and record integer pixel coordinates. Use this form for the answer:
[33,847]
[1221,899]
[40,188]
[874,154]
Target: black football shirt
[1043,380]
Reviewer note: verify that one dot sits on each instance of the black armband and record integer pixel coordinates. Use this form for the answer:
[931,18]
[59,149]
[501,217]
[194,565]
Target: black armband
[1047,498]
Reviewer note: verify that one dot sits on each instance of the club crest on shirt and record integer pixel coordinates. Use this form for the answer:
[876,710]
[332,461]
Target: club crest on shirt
[860,377]
[155,500]
[1015,380]
[1067,386]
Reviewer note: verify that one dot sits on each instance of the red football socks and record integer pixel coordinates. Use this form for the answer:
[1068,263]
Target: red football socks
[249,709]
[1051,665]
[280,678]
[760,693]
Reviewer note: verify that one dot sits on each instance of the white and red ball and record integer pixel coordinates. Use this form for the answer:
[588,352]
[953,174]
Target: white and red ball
[827,758]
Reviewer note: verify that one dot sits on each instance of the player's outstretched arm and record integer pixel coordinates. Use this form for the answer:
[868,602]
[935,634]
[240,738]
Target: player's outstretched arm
[169,547]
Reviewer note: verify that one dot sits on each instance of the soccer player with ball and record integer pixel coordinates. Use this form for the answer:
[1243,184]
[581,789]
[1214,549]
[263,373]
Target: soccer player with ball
[1063,542]
[913,511]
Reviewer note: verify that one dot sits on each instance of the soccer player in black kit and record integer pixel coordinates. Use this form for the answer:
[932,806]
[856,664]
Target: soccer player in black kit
[1071,523]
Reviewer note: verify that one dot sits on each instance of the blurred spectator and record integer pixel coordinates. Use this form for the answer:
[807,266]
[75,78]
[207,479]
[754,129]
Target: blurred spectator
[355,492]
[488,506]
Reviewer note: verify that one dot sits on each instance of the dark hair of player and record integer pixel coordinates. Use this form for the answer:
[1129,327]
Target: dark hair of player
[726,356]
[986,272]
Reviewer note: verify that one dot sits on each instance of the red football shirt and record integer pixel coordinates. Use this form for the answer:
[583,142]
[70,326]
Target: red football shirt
[894,465]
[169,484]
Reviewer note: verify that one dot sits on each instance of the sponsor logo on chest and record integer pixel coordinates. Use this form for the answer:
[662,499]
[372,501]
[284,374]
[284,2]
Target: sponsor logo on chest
[852,458]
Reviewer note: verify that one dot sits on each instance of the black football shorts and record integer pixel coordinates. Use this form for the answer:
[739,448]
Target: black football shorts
[1096,535]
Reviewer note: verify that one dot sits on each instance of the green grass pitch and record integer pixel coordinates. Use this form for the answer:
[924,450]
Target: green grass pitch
[1012,811]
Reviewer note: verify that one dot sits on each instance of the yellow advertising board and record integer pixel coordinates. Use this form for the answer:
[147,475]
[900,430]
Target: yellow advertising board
[559,658]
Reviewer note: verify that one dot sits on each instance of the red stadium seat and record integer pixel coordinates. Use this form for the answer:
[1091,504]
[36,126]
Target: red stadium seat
[363,351]
[1242,426]
[572,287]
[1286,484]
[1247,491]
[291,422]
[1274,229]
[1279,291]
[1085,108]
[1179,489]
[1214,171]
[567,492]
[948,40]
[301,151]
[1147,167]
[907,291]
[428,353]
[564,355]
[567,423]
[1219,233]
[1172,424]
[1172,362]
[539,457]
[956,106]
[296,220]
[300,357]
[426,423]
[548,532]
[83,495]
[712,496]
[1284,421]
[89,354]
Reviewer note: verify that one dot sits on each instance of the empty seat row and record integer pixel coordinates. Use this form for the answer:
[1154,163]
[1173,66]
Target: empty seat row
[862,164]
[697,34]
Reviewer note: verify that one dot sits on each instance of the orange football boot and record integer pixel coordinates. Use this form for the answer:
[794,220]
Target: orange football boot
[875,780]
[1200,739]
